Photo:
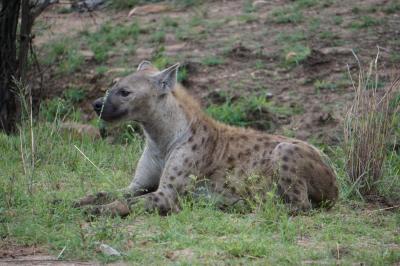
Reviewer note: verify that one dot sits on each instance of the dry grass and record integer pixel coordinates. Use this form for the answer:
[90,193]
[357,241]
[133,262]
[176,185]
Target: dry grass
[369,124]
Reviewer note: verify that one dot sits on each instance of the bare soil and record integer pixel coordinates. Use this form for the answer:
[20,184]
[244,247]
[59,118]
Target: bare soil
[241,45]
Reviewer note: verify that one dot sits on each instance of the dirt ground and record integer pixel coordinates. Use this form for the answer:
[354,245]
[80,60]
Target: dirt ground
[242,45]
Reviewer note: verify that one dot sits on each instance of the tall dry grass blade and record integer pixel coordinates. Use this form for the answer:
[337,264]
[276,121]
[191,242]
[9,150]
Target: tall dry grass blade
[369,123]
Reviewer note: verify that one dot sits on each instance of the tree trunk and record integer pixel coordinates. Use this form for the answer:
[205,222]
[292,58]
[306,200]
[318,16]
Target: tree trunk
[9,14]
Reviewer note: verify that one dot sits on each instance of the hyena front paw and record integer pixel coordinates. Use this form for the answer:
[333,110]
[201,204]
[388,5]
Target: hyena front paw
[99,198]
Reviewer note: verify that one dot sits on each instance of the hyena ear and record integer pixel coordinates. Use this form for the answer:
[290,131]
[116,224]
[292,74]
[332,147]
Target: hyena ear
[165,80]
[144,65]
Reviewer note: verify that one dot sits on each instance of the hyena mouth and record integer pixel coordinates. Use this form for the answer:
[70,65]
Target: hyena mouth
[112,115]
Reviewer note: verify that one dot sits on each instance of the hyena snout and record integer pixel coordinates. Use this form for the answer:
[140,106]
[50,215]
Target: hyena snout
[98,105]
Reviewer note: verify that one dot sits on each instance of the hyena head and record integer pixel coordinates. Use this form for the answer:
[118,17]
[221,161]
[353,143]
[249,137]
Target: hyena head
[138,95]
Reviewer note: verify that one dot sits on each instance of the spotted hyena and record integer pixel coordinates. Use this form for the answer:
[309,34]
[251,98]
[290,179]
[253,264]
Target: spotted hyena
[185,147]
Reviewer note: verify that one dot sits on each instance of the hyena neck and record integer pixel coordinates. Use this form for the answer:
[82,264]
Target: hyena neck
[166,126]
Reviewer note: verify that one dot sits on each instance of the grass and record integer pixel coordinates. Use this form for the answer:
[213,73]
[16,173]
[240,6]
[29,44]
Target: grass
[294,54]
[212,61]
[365,22]
[111,37]
[324,85]
[353,232]
[200,234]
[256,112]
[287,15]
[369,124]
[63,54]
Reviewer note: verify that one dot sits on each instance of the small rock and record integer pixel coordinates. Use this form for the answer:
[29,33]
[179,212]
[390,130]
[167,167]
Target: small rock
[87,54]
[336,50]
[259,3]
[269,96]
[109,251]
[148,9]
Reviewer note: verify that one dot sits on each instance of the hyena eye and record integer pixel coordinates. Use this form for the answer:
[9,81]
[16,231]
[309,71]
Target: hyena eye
[123,92]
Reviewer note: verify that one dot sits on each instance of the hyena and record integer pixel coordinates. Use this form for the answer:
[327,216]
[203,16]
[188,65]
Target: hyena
[182,142]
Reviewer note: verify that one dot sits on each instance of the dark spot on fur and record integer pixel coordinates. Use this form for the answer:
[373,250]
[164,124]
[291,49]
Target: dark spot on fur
[256,147]
[327,171]
[290,151]
[295,142]
[292,170]
[240,154]
[233,190]
[311,166]
[175,168]
[194,147]
[172,178]
[296,191]
[248,151]
[202,140]
[230,159]
[285,167]
[296,148]
[156,199]
[259,139]
[193,131]
[179,173]
[170,186]
[190,139]
[254,163]
[205,128]
[285,158]
[161,193]
[186,160]
[244,137]
[231,138]
[287,180]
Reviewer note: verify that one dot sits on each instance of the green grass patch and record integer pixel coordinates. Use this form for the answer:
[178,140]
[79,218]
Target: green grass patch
[392,7]
[111,37]
[254,112]
[63,55]
[212,61]
[295,54]
[287,15]
[324,85]
[199,234]
[365,22]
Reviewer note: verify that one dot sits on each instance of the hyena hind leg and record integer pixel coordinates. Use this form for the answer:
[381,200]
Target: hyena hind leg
[291,187]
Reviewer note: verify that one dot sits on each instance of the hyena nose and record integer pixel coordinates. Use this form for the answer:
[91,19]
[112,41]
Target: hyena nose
[98,105]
